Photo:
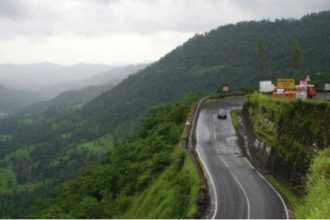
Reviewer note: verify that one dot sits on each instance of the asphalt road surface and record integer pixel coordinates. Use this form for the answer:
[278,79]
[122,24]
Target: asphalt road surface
[237,190]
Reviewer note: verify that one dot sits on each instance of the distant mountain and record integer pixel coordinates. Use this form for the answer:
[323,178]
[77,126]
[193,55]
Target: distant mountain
[115,75]
[65,93]
[71,97]
[35,76]
[12,100]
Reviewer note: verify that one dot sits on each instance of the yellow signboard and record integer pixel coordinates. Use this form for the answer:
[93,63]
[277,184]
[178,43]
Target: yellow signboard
[285,83]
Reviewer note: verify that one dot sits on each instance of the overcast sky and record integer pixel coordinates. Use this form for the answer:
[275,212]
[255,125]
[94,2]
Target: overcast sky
[123,31]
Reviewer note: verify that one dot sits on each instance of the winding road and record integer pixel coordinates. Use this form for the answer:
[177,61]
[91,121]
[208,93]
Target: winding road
[236,189]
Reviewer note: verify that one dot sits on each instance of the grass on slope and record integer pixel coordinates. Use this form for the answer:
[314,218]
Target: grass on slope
[316,204]
[98,146]
[7,178]
[157,201]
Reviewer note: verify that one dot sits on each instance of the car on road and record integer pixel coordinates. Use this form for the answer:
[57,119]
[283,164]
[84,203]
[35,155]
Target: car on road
[222,114]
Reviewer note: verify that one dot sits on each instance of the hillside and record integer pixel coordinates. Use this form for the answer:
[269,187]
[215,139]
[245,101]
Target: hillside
[225,55]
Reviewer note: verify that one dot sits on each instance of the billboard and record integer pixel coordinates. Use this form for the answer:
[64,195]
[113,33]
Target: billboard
[266,86]
[285,83]
[327,87]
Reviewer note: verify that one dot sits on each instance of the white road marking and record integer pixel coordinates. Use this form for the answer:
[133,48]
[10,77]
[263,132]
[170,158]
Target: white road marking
[245,194]
[241,186]
[277,193]
[234,176]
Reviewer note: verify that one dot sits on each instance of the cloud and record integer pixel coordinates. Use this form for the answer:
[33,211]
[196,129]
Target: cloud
[12,9]
[70,29]
[90,17]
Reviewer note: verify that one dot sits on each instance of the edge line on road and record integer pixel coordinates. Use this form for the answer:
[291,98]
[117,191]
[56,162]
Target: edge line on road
[277,193]
[213,186]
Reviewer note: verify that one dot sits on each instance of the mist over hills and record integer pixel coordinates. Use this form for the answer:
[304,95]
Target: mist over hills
[36,76]
[40,82]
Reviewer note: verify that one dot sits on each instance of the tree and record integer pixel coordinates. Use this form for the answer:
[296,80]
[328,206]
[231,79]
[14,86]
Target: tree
[296,56]
[261,53]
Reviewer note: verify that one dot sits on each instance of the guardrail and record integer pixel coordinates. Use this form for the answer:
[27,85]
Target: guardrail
[190,144]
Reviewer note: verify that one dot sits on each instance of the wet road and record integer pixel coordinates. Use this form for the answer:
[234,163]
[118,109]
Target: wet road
[237,190]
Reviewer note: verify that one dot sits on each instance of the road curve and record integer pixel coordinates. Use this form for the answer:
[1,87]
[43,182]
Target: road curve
[237,190]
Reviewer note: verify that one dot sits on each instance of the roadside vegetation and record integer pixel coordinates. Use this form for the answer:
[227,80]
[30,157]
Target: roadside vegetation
[148,175]
[235,118]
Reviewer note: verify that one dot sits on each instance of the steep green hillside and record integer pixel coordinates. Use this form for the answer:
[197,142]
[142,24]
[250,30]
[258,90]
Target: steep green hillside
[225,55]
[294,130]
[146,176]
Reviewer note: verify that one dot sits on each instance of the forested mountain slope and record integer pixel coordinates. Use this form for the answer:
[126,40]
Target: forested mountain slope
[225,55]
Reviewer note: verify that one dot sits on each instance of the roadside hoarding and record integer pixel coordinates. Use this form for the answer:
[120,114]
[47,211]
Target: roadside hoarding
[285,83]
[327,87]
[266,86]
